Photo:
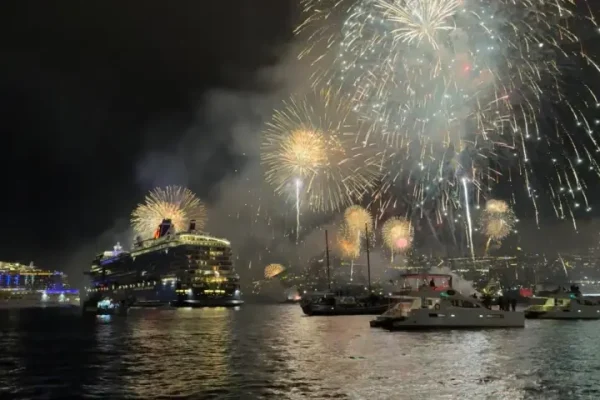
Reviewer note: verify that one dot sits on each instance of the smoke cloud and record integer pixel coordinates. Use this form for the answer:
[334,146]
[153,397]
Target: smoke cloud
[458,282]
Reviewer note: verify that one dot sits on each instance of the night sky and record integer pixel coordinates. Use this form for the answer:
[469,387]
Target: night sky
[95,98]
[103,101]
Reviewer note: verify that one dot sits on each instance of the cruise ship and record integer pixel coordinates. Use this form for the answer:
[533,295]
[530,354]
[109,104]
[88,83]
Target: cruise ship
[24,286]
[181,269]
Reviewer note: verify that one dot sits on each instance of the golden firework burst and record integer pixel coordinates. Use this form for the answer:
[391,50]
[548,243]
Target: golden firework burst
[313,139]
[357,219]
[397,234]
[348,243]
[272,270]
[176,203]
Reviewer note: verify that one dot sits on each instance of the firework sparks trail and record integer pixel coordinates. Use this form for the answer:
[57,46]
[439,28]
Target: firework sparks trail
[456,88]
[348,242]
[469,222]
[313,139]
[298,184]
[178,204]
[356,218]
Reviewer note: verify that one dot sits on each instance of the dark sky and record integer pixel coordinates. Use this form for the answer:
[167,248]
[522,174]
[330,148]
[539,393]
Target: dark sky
[92,93]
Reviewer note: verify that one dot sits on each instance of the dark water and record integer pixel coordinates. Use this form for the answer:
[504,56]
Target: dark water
[274,352]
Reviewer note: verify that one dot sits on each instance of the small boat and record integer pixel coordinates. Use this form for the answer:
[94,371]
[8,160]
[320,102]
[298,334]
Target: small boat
[565,305]
[104,306]
[330,303]
[344,302]
[449,309]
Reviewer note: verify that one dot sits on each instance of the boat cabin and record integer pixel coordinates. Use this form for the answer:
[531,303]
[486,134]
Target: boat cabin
[416,282]
[434,300]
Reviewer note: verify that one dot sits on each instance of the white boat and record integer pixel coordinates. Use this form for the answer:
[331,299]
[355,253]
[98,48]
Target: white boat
[564,305]
[449,309]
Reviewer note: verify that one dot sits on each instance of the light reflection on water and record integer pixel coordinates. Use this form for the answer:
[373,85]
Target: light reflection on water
[275,352]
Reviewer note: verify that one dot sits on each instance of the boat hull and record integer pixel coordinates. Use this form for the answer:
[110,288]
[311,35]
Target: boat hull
[562,315]
[290,302]
[563,308]
[326,310]
[218,302]
[17,304]
[458,319]
[385,323]
[162,298]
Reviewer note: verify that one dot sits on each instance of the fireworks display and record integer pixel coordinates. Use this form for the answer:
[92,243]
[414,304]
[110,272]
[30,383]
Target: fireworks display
[465,88]
[272,270]
[348,243]
[311,141]
[497,221]
[357,219]
[397,234]
[176,203]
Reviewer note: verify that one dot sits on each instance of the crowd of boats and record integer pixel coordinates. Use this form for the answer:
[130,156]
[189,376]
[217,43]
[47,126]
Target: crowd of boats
[192,269]
[429,301]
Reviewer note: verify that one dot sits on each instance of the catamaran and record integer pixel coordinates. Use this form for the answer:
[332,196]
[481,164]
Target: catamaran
[439,306]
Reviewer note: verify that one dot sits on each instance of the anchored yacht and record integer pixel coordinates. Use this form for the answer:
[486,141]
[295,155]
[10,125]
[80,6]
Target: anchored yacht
[565,305]
[428,301]
[331,303]
[430,309]
[449,309]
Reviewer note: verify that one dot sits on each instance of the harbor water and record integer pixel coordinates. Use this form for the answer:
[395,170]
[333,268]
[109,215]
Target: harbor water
[274,352]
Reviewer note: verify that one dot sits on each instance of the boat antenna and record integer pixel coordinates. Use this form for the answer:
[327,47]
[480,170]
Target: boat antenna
[327,257]
[368,258]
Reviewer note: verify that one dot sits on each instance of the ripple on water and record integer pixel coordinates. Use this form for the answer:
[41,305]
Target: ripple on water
[275,352]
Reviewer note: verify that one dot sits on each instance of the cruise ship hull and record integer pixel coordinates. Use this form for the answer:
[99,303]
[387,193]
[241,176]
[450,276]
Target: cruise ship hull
[16,304]
[167,296]
[38,299]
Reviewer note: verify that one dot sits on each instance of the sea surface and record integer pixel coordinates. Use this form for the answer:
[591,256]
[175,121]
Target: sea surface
[274,352]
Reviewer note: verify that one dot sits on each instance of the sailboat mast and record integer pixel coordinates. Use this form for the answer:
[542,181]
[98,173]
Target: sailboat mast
[327,255]
[368,258]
